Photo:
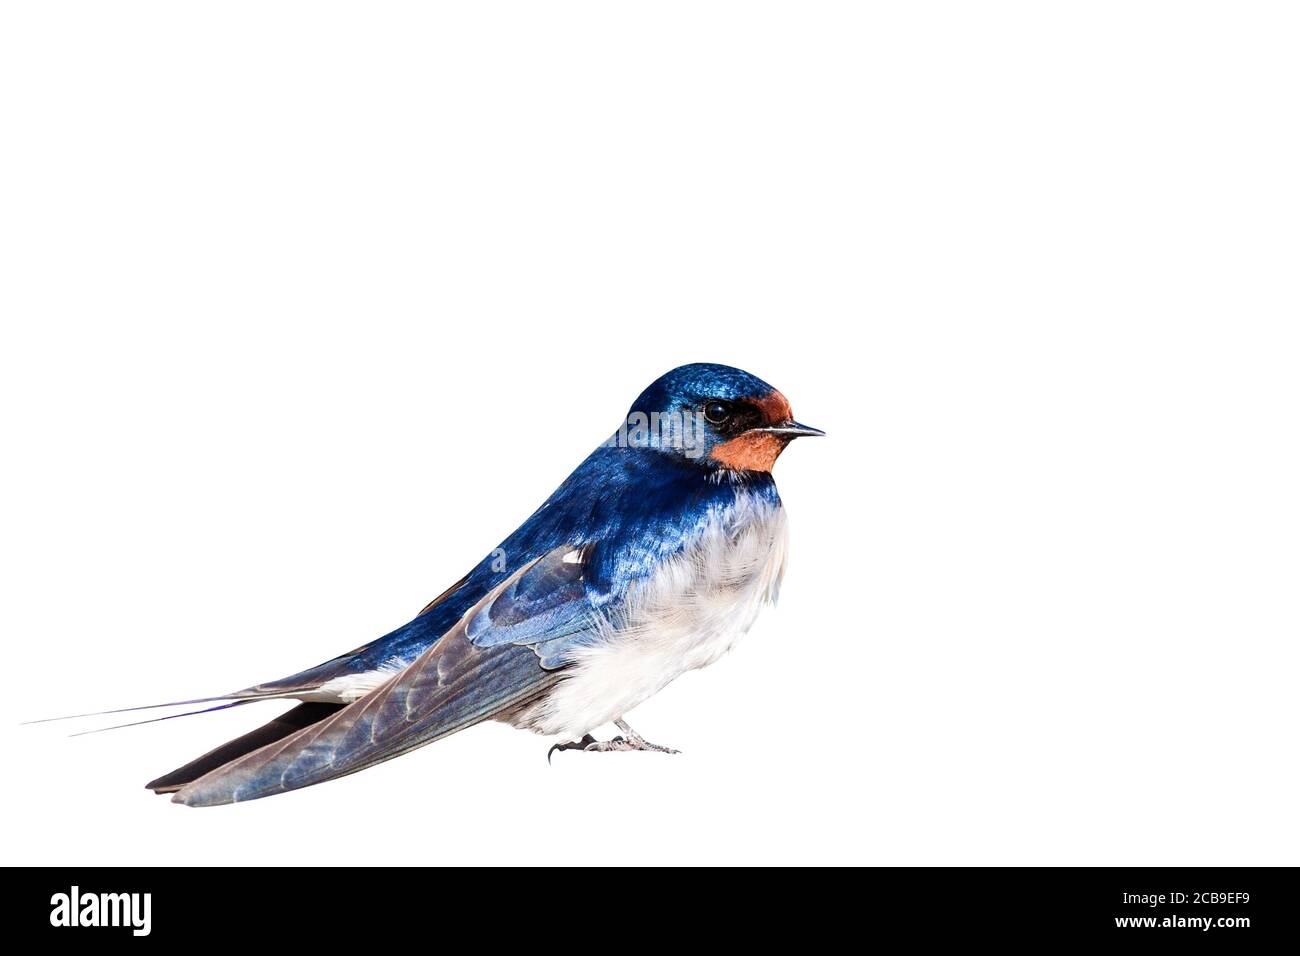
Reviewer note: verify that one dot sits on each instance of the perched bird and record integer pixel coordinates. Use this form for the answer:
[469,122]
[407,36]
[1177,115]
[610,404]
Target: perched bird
[650,560]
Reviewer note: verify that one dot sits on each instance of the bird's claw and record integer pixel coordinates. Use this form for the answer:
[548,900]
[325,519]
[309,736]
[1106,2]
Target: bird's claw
[590,744]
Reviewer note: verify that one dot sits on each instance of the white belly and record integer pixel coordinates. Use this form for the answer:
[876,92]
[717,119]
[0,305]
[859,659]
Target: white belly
[687,615]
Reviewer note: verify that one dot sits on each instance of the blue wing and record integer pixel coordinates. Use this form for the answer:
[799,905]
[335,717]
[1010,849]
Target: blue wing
[504,652]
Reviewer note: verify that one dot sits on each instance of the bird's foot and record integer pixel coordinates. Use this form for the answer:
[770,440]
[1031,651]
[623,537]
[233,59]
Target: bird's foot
[627,743]
[631,741]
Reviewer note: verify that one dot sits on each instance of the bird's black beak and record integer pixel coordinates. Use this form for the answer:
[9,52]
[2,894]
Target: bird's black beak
[793,430]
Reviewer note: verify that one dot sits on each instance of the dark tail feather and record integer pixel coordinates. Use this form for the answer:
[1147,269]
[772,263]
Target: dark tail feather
[154,720]
[239,695]
[291,721]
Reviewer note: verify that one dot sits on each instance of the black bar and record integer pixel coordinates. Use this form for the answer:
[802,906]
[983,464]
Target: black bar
[342,907]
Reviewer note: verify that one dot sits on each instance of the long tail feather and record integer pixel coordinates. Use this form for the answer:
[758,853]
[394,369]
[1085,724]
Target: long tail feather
[154,720]
[240,696]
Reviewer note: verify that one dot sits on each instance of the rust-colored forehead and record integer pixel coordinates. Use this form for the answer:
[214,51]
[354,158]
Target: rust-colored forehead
[775,408]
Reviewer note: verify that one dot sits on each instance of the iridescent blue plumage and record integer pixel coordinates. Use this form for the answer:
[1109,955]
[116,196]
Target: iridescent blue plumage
[641,504]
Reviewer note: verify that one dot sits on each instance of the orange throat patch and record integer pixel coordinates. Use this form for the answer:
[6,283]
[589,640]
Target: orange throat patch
[751,451]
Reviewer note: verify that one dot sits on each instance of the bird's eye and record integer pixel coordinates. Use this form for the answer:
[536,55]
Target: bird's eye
[716,411]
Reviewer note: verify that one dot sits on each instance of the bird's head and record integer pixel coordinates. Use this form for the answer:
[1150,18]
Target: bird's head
[714,415]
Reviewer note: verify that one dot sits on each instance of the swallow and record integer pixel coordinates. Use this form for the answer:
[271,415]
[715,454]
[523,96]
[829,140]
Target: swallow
[651,559]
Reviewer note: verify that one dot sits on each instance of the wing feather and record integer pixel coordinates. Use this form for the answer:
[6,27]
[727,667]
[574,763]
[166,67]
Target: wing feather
[455,683]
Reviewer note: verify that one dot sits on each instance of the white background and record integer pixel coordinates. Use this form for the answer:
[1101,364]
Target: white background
[306,306]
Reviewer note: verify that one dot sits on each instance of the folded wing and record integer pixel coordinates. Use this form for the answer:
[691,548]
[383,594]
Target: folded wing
[506,650]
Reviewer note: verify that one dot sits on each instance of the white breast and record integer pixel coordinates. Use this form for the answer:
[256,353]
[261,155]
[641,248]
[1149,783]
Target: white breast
[687,615]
